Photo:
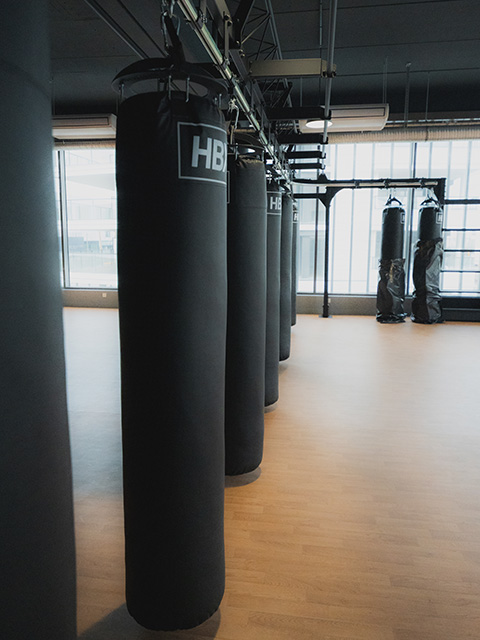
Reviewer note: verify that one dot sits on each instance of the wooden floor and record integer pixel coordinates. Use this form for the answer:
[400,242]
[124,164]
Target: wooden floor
[364,523]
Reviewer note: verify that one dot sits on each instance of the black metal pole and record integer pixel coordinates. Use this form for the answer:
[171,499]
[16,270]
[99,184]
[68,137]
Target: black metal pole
[327,248]
[315,248]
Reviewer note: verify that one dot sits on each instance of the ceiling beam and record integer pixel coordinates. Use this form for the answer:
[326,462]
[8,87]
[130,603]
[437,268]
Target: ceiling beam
[294,68]
[300,138]
[301,155]
[296,113]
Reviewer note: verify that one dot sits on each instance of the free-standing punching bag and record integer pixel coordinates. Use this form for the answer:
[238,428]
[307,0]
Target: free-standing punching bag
[294,264]
[37,550]
[246,316]
[391,283]
[171,182]
[427,263]
[286,276]
[272,341]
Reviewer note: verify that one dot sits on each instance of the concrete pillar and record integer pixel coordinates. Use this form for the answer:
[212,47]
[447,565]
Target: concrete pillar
[37,559]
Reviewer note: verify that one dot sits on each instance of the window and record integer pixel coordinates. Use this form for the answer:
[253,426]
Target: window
[87,219]
[356,215]
[86,202]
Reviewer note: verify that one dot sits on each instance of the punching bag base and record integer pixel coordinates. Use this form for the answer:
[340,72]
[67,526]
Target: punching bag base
[390,319]
[153,625]
[234,473]
[271,406]
[421,321]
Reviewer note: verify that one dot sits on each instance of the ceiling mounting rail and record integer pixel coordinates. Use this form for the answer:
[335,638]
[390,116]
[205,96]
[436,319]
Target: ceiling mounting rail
[222,64]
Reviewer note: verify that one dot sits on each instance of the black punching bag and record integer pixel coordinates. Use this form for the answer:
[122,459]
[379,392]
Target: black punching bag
[294,264]
[391,283]
[274,219]
[286,276]
[427,264]
[171,181]
[246,316]
[37,551]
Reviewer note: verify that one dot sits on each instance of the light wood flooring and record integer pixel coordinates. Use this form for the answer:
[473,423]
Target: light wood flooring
[364,523]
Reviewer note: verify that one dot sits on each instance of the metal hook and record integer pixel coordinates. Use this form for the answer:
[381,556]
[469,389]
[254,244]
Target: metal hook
[187,90]
[169,87]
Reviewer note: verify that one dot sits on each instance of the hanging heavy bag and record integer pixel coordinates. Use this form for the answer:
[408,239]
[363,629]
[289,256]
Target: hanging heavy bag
[272,341]
[391,283]
[294,264]
[246,319]
[286,276]
[171,180]
[427,264]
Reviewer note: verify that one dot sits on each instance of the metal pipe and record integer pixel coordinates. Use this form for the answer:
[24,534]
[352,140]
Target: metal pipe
[368,184]
[331,47]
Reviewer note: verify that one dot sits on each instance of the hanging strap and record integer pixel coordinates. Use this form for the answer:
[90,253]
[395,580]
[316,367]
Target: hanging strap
[175,47]
[432,200]
[392,199]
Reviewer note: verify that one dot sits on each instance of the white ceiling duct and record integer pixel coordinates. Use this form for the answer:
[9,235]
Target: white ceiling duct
[412,133]
[344,118]
[84,127]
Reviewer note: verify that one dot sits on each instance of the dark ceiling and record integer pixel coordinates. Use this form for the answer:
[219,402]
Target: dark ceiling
[439,40]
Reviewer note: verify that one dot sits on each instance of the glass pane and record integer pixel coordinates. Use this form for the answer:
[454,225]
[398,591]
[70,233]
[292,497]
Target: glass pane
[383,160]
[319,284]
[56,173]
[458,169]
[306,245]
[364,158]
[91,217]
[341,241]
[440,159]
[362,203]
[474,168]
[401,160]
[423,159]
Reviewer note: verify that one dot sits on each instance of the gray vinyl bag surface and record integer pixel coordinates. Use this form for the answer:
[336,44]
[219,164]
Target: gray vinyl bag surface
[171,180]
[391,280]
[272,341]
[246,317]
[427,264]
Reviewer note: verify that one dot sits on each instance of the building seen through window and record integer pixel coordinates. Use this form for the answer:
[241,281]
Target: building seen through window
[87,202]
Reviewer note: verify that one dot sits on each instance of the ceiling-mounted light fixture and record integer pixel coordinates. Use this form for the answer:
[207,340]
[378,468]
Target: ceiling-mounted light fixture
[84,127]
[362,117]
[317,125]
